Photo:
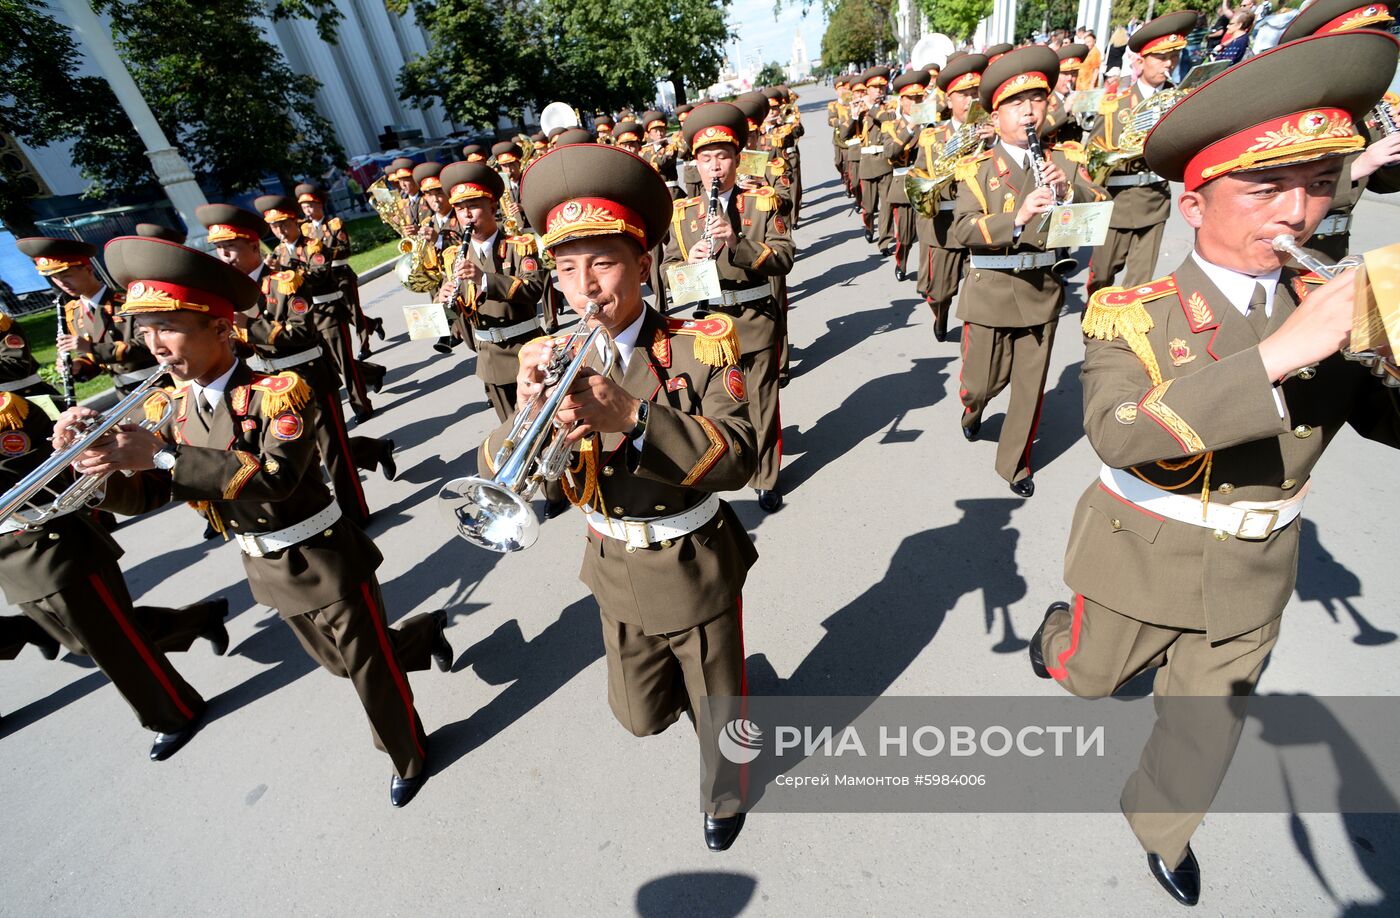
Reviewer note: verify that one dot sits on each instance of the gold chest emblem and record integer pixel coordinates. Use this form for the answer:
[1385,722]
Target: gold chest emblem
[1180,352]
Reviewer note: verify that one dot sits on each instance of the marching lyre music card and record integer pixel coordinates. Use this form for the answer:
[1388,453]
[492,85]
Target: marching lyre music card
[426,320]
[1087,101]
[753,162]
[1075,225]
[926,112]
[692,283]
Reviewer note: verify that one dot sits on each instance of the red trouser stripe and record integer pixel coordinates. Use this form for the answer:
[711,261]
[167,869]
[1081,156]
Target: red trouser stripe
[342,437]
[744,693]
[400,680]
[966,345]
[1058,667]
[143,649]
[1035,425]
[348,350]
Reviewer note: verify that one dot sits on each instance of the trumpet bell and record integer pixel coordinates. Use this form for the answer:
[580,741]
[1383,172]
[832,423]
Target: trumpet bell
[489,515]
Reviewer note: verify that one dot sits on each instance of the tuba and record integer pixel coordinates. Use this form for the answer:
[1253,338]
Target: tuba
[495,512]
[19,503]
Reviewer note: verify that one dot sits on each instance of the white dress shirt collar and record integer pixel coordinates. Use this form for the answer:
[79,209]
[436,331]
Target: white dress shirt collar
[214,392]
[483,249]
[1238,287]
[626,340]
[1019,155]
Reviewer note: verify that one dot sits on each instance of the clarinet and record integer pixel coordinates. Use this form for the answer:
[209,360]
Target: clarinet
[1064,265]
[461,253]
[711,211]
[65,361]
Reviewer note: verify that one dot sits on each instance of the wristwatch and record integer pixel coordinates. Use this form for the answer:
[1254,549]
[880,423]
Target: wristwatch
[164,458]
[643,410]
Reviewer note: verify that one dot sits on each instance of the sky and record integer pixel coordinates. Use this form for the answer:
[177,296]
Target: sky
[760,35]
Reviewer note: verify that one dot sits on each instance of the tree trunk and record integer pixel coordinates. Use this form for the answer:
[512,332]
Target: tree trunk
[678,84]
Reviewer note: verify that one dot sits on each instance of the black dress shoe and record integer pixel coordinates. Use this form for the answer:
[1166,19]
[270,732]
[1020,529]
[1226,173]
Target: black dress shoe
[1184,883]
[215,631]
[363,355]
[1037,653]
[442,649]
[769,501]
[402,790]
[46,644]
[1023,488]
[556,508]
[167,744]
[362,416]
[869,235]
[387,463]
[970,431]
[379,328]
[900,274]
[720,831]
[209,531]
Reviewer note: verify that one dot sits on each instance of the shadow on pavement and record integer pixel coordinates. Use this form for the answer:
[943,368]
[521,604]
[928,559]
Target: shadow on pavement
[709,894]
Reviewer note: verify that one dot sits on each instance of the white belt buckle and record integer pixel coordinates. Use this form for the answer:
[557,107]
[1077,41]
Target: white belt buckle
[252,546]
[1256,525]
[638,533]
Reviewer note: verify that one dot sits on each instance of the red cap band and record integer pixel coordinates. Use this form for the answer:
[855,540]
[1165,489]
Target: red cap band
[1297,138]
[146,296]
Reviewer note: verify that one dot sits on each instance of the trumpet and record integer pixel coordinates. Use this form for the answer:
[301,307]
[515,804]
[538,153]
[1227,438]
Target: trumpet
[18,503]
[1381,365]
[495,512]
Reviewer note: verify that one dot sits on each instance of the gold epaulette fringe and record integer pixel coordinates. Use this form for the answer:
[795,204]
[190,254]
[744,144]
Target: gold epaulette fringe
[285,391]
[1105,320]
[717,347]
[155,405]
[13,410]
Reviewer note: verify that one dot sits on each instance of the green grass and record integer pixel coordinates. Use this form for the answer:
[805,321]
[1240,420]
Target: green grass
[371,243]
[39,329]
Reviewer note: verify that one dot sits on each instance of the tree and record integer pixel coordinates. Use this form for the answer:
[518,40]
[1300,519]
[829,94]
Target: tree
[44,101]
[772,74]
[1126,10]
[857,31]
[956,18]
[683,39]
[223,94]
[1034,15]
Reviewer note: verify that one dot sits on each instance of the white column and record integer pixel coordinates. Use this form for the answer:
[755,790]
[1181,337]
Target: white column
[170,167]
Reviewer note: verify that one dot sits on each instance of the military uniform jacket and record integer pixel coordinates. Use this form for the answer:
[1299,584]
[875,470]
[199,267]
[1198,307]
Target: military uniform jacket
[764,249]
[928,147]
[900,148]
[1382,181]
[311,260]
[663,160]
[873,128]
[17,361]
[512,283]
[1134,206]
[1172,376]
[698,440]
[778,174]
[39,562]
[255,469]
[1060,124]
[116,343]
[413,210]
[990,190]
[282,324]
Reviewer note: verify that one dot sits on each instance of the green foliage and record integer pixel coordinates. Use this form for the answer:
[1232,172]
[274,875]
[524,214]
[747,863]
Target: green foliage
[772,74]
[223,94]
[1127,10]
[957,18]
[489,58]
[857,32]
[1033,15]
[43,101]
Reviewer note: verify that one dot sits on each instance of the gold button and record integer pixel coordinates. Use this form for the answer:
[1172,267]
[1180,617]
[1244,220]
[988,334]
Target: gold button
[54,536]
[1289,484]
[618,511]
[1117,524]
[666,543]
[1221,535]
[660,507]
[262,522]
[608,470]
[1307,373]
[631,549]
[1302,431]
[327,533]
[233,523]
[1226,488]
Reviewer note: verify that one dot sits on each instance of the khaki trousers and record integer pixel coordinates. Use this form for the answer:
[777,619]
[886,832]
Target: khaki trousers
[1132,251]
[761,370]
[1093,651]
[994,358]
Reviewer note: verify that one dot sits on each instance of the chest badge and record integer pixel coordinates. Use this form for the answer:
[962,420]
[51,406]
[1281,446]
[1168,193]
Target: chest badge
[1180,352]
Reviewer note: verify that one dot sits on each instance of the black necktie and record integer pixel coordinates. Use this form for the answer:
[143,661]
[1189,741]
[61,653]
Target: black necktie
[1258,318]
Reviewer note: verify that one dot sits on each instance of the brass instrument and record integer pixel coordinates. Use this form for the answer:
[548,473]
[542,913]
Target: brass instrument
[419,268]
[924,186]
[386,204]
[1381,365]
[495,512]
[1384,116]
[18,503]
[1141,120]
[510,211]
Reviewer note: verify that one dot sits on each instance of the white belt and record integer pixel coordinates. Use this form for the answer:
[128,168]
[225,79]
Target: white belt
[15,385]
[947,205]
[341,263]
[273,364]
[135,376]
[329,297]
[1022,262]
[872,150]
[1252,521]
[257,544]
[497,335]
[643,533]
[900,173]
[1333,225]
[853,141]
[673,184]
[11,525]
[1133,180]
[736,297]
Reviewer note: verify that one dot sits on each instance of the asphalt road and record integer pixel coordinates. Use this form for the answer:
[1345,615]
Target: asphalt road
[900,564]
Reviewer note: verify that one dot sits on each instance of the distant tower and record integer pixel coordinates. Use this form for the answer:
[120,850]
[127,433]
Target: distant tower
[800,64]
